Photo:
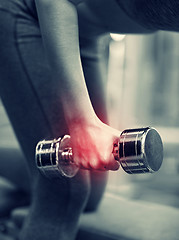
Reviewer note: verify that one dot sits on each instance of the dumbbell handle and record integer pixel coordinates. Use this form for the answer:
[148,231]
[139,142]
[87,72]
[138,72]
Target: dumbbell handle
[138,150]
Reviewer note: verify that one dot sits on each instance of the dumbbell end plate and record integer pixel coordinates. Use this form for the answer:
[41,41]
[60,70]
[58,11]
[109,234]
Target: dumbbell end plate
[140,150]
[153,150]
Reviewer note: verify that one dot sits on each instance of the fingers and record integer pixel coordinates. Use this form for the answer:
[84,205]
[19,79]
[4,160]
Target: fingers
[109,163]
[93,149]
[113,164]
[94,163]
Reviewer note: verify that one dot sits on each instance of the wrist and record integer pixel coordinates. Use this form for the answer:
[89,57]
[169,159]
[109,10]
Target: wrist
[80,121]
[79,113]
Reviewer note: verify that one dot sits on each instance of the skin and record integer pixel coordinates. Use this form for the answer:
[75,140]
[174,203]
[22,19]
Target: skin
[62,24]
[60,35]
[91,139]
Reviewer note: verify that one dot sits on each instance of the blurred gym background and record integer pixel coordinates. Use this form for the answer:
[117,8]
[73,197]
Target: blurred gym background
[144,91]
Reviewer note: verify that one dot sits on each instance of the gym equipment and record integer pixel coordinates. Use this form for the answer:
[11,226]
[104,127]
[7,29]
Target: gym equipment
[138,151]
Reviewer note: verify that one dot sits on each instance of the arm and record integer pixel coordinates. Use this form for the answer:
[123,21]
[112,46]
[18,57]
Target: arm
[59,27]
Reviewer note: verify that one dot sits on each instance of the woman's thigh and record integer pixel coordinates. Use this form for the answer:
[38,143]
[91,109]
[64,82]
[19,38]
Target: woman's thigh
[31,100]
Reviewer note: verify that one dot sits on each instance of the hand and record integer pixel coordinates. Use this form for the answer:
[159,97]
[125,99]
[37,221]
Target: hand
[92,145]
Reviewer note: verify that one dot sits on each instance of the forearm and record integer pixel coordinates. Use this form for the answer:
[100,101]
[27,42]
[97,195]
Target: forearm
[59,27]
[91,139]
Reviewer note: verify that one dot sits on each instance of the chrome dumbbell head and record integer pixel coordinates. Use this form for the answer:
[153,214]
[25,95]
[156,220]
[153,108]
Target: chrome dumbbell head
[140,150]
[54,158]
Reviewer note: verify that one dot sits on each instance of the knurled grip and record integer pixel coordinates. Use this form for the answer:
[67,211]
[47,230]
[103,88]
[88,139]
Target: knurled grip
[138,150]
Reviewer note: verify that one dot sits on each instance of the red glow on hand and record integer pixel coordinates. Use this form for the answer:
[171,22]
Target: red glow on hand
[92,146]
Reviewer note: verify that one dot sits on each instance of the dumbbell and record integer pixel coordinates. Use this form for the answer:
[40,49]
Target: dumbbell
[138,150]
